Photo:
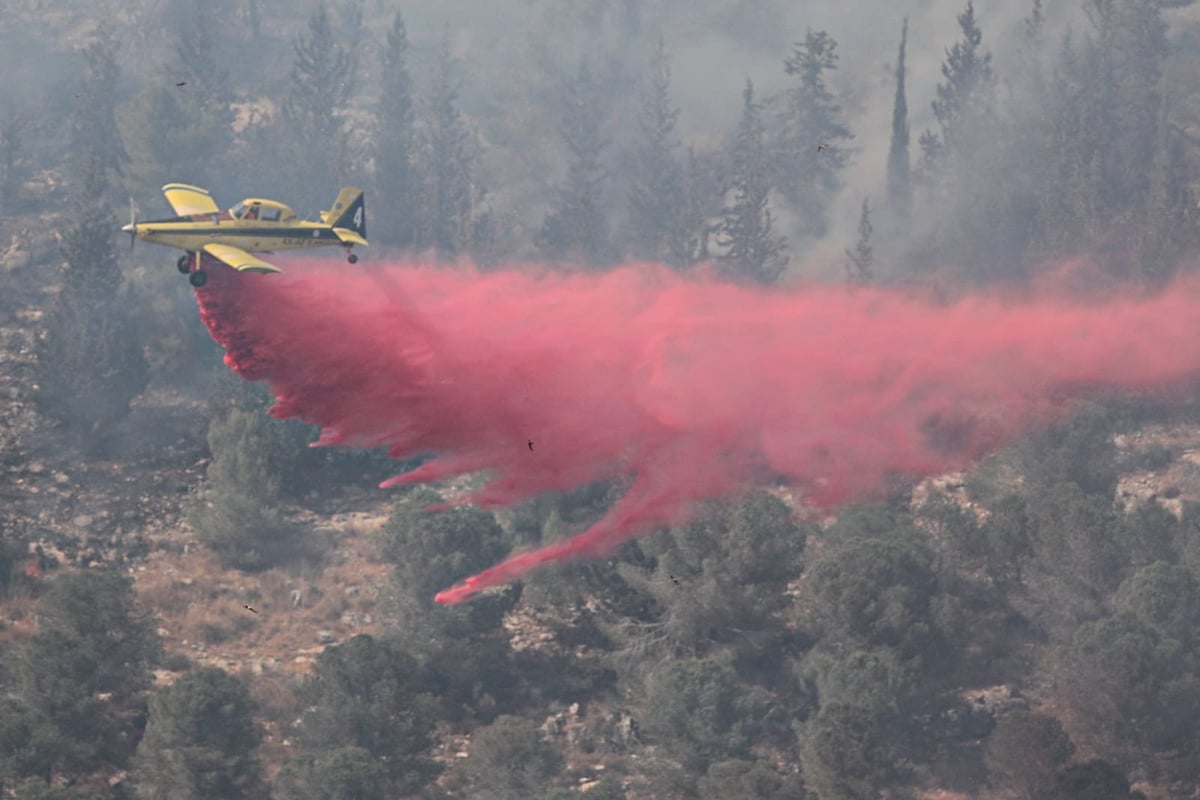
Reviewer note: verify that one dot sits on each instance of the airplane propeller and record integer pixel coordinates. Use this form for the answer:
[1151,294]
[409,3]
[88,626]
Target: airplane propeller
[132,227]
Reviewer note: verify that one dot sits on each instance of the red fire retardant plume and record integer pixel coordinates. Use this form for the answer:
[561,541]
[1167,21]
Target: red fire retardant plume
[687,388]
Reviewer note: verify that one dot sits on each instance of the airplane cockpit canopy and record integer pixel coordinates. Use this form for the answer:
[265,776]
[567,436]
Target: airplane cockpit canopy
[262,210]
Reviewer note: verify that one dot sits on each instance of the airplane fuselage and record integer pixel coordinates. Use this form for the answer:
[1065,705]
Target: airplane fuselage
[192,235]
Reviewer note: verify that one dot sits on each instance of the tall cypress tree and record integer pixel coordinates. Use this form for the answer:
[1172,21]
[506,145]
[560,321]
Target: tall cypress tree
[752,250]
[899,184]
[395,146]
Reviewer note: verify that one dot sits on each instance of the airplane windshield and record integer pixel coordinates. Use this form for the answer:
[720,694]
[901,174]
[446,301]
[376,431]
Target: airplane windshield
[238,211]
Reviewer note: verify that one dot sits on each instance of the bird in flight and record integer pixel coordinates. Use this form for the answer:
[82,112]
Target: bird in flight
[821,147]
[531,445]
[251,610]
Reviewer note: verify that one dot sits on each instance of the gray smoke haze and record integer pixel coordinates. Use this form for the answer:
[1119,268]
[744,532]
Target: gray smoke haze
[513,61]
[714,48]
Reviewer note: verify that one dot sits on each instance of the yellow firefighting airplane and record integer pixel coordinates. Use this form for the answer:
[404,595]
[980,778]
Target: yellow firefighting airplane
[252,226]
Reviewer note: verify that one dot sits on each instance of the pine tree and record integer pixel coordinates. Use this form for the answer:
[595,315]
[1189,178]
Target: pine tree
[201,741]
[576,229]
[1109,124]
[14,166]
[899,184]
[82,677]
[182,131]
[862,257]
[1167,223]
[197,57]
[91,362]
[962,96]
[451,195]
[1128,46]
[322,82]
[93,133]
[399,183]
[658,201]
[238,511]
[813,147]
[752,250]
[366,693]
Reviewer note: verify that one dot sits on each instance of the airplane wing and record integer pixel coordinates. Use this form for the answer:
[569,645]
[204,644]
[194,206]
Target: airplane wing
[238,258]
[188,200]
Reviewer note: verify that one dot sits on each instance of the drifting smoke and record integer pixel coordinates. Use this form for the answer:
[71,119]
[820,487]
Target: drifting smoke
[688,388]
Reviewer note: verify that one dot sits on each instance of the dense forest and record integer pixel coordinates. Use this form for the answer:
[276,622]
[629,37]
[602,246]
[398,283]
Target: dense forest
[1026,629]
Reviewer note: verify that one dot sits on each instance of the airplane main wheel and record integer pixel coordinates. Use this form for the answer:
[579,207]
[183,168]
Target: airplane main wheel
[184,264]
[352,258]
[198,278]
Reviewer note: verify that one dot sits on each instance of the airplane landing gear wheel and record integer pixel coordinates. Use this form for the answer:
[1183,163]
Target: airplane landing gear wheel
[184,264]
[198,278]
[352,258]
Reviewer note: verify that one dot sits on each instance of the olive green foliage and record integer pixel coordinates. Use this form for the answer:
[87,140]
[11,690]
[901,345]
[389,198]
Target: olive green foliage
[846,754]
[735,780]
[80,681]
[1080,547]
[201,741]
[1078,449]
[576,230]
[1092,780]
[721,579]
[1136,673]
[311,129]
[605,789]
[1025,751]
[811,116]
[90,363]
[700,712]
[346,773]
[434,548]
[877,679]
[238,511]
[97,609]
[509,760]
[753,251]
[879,588]
[182,131]
[14,160]
[397,167]
[662,224]
[365,699]
[454,219]
[38,789]
[23,740]
[462,646]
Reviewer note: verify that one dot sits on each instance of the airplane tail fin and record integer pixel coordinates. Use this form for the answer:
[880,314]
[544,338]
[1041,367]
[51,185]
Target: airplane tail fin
[349,212]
